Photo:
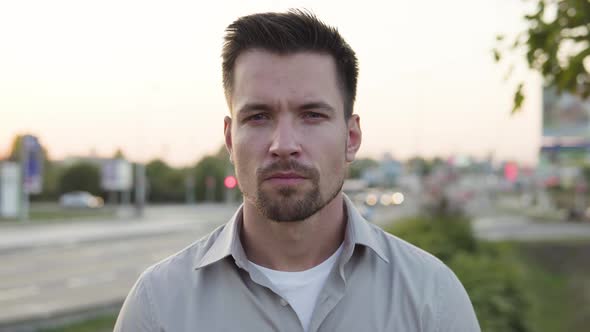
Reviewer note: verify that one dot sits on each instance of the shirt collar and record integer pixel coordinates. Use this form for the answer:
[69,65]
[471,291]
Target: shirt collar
[227,243]
[360,231]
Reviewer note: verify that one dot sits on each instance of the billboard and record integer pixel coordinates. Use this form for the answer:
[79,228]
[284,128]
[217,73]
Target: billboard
[566,129]
[9,189]
[116,175]
[565,154]
[565,115]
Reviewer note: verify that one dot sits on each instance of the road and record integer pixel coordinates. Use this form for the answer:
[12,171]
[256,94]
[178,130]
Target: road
[509,227]
[51,271]
[57,270]
[490,224]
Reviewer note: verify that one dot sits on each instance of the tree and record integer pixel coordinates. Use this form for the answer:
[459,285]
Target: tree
[51,177]
[81,176]
[216,167]
[15,152]
[419,165]
[556,44]
[357,167]
[119,154]
[15,148]
[166,183]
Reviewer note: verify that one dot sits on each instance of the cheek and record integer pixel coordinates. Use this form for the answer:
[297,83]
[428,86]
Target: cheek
[331,152]
[246,155]
[242,158]
[243,143]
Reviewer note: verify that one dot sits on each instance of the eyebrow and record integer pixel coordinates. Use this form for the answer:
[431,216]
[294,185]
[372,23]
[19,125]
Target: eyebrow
[253,107]
[317,105]
[256,107]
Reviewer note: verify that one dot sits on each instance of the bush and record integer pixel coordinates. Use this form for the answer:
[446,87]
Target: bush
[81,176]
[443,237]
[496,288]
[491,273]
[166,184]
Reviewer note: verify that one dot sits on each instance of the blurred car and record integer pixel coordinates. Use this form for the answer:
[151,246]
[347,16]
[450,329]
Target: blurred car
[80,199]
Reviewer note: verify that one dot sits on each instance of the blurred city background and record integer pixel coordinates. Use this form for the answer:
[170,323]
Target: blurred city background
[476,147]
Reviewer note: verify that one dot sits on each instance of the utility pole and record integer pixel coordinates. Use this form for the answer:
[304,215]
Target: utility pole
[140,184]
[24,202]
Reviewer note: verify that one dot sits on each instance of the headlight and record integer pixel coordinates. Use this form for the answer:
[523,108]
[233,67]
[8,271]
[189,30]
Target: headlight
[397,198]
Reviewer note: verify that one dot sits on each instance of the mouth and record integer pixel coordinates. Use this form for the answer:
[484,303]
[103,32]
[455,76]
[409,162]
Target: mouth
[286,178]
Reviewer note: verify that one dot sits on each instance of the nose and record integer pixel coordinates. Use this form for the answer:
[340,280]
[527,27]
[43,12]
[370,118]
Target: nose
[285,142]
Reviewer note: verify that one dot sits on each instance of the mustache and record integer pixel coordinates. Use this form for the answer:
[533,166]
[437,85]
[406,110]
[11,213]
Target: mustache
[286,166]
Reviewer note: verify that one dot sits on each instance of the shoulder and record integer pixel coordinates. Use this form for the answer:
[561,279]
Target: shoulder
[179,265]
[405,255]
[420,272]
[429,282]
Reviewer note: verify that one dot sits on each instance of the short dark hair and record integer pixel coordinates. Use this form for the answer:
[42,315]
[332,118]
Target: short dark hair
[286,33]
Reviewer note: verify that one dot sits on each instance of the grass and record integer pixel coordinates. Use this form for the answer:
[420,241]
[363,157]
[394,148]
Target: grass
[550,309]
[71,214]
[560,284]
[48,213]
[100,324]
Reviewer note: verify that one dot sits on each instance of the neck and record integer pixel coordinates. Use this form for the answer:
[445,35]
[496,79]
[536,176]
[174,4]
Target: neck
[296,245]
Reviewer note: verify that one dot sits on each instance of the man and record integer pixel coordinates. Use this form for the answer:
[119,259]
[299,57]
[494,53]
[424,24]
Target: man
[296,256]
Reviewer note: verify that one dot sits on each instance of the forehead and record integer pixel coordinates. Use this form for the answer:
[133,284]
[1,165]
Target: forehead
[263,76]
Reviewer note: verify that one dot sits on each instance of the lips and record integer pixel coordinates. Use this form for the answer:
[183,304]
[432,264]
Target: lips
[287,172]
[285,179]
[285,176]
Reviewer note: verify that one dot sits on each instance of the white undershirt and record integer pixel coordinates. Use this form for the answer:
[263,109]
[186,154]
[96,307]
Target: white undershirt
[301,289]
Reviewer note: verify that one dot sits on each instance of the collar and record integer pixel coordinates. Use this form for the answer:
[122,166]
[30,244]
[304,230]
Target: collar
[227,243]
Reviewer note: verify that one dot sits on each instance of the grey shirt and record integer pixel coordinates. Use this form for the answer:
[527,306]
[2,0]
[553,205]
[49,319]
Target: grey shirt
[380,283]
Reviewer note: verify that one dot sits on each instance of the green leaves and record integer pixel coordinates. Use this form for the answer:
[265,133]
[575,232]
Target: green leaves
[81,176]
[556,44]
[518,99]
[497,55]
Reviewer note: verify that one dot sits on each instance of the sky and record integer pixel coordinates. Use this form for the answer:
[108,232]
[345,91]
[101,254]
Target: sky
[90,77]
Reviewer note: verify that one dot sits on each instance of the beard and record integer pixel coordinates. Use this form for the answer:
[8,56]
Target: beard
[289,204]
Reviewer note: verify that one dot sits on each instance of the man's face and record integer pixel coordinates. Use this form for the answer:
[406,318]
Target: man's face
[288,138]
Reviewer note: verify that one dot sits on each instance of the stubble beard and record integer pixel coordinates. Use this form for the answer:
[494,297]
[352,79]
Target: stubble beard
[289,204]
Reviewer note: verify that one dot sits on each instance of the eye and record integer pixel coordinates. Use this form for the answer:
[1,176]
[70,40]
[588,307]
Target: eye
[257,117]
[313,115]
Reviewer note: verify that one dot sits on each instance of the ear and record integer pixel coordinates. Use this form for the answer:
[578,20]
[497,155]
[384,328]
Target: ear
[227,135]
[354,137]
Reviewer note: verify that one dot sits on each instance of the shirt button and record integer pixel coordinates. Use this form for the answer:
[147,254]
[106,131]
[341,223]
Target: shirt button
[283,302]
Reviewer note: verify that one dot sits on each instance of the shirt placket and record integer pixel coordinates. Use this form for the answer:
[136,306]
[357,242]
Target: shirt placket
[285,317]
[333,290]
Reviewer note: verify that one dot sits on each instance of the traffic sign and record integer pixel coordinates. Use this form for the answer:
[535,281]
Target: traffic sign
[33,165]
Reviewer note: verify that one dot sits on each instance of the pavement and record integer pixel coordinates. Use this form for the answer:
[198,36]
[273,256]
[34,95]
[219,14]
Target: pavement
[156,220]
[523,228]
[64,271]
[176,218]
